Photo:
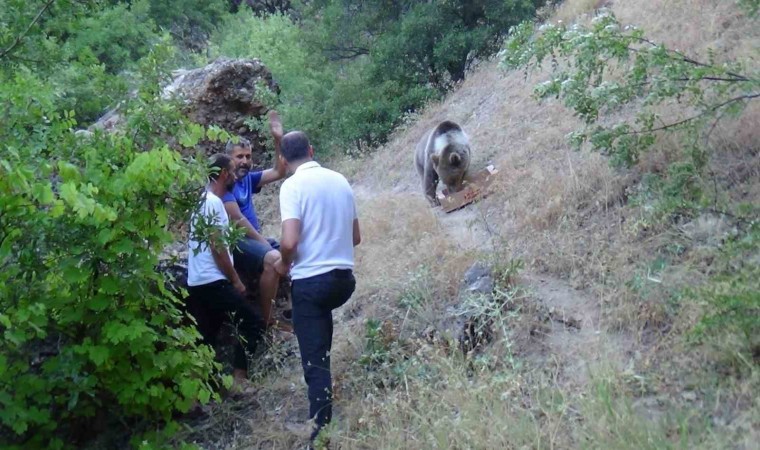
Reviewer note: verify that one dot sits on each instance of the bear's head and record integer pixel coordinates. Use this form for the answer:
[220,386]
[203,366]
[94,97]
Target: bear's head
[451,164]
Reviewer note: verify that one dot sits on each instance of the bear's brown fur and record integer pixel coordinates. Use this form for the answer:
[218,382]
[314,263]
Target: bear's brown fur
[442,153]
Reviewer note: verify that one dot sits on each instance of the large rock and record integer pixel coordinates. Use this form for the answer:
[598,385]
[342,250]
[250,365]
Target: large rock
[462,323]
[226,93]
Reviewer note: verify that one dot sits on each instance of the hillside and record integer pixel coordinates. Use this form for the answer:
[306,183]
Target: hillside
[604,294]
[591,322]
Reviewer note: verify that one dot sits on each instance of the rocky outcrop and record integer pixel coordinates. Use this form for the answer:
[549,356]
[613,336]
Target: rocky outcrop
[226,93]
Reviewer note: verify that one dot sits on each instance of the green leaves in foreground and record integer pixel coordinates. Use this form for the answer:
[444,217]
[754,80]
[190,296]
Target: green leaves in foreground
[87,328]
[598,69]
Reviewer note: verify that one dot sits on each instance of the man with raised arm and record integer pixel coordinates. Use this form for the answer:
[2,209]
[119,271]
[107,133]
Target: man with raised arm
[255,255]
[212,281]
[319,232]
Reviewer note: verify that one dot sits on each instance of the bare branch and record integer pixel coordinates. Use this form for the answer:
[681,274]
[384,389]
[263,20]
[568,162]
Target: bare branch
[703,113]
[348,52]
[684,58]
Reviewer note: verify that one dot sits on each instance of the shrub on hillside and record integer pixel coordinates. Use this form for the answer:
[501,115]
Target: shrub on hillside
[87,330]
[731,299]
[82,49]
[599,69]
[611,66]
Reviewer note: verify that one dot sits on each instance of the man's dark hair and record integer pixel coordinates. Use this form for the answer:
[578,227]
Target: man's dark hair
[241,142]
[295,146]
[216,163]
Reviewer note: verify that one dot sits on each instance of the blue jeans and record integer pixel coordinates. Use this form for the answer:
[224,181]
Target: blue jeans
[248,256]
[314,299]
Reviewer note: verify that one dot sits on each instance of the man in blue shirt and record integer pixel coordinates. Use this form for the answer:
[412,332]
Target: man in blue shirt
[255,255]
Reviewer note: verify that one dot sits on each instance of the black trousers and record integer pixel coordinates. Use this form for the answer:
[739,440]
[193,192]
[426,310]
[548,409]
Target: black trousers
[314,299]
[219,301]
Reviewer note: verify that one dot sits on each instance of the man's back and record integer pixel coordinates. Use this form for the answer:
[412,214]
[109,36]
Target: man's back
[324,203]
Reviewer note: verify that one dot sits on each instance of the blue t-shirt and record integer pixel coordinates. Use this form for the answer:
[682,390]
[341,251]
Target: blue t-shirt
[242,193]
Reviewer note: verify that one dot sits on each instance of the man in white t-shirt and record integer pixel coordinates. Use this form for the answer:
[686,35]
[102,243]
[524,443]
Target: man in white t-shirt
[319,231]
[212,281]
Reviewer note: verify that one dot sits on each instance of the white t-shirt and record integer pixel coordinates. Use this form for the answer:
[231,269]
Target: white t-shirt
[324,203]
[201,268]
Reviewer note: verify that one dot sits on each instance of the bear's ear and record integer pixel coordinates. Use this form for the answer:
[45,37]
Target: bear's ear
[436,159]
[455,159]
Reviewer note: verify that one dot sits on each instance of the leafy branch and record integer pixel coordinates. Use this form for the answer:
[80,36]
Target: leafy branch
[600,68]
[698,116]
[20,37]
[750,6]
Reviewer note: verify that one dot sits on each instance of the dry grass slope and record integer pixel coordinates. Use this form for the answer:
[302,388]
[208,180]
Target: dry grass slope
[624,380]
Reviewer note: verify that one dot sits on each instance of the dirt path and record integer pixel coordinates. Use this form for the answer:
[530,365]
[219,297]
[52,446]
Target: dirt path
[573,340]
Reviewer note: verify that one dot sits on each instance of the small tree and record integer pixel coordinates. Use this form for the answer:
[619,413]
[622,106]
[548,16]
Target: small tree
[603,67]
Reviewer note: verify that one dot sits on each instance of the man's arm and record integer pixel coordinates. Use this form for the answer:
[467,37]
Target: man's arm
[237,217]
[357,233]
[223,261]
[277,172]
[290,213]
[291,234]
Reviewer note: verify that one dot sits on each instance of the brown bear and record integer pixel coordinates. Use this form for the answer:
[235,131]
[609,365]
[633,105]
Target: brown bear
[443,153]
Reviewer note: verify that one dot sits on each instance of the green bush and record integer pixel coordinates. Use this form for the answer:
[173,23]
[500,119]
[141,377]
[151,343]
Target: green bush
[751,6]
[86,87]
[189,21]
[731,298]
[87,328]
[116,36]
[83,49]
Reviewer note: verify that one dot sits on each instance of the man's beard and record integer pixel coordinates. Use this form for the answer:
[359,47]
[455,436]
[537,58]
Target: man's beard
[242,171]
[230,184]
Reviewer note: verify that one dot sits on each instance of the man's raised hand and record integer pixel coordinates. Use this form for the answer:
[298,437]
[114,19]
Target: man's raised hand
[275,125]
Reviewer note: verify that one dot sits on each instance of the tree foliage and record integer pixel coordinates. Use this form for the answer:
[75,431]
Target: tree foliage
[417,41]
[77,48]
[88,329]
[362,66]
[436,42]
[599,69]
[189,21]
[263,7]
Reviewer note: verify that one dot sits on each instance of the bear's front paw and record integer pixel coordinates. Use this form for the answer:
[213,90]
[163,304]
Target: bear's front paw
[434,201]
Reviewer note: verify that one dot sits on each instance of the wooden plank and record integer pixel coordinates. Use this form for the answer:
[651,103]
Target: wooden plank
[475,187]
